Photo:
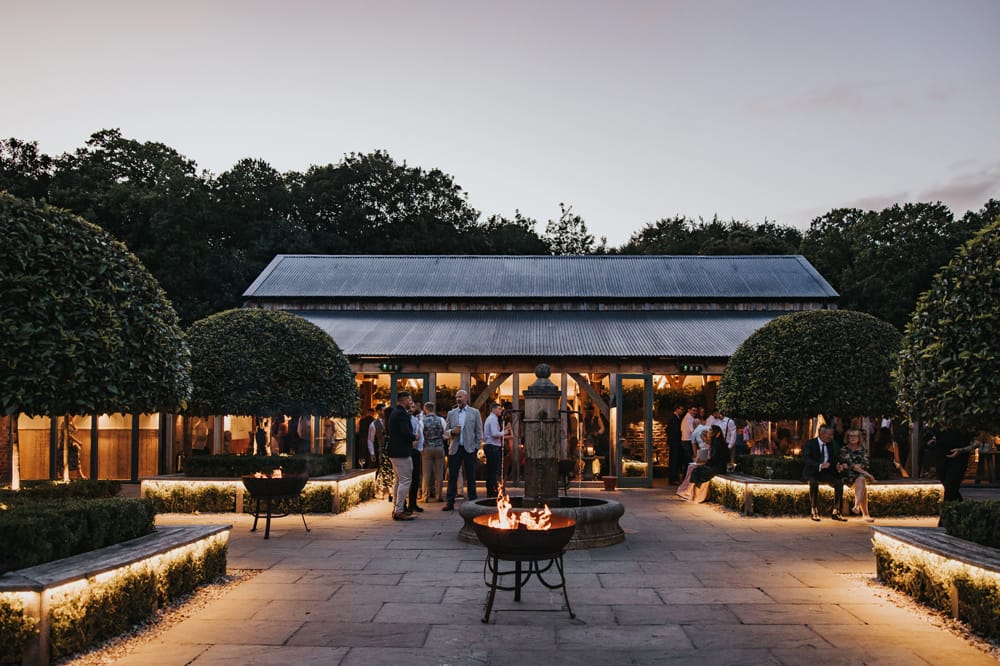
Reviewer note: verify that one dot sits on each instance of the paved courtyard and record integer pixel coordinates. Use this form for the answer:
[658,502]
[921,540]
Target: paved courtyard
[690,584]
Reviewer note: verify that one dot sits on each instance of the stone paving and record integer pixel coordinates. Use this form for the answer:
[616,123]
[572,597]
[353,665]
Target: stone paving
[691,584]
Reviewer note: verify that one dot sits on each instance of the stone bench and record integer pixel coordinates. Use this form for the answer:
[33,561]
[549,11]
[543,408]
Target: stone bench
[958,577]
[40,589]
[737,491]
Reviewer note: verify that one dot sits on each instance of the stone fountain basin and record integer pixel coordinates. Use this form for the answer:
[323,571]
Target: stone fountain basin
[596,519]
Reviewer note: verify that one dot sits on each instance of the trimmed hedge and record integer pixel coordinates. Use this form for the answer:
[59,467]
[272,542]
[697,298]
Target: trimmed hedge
[15,630]
[213,498]
[84,488]
[793,499]
[233,466]
[924,580]
[204,498]
[37,531]
[973,521]
[111,608]
[790,467]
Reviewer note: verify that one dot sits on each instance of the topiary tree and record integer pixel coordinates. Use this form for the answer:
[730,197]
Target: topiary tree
[830,362]
[86,328]
[949,365]
[253,362]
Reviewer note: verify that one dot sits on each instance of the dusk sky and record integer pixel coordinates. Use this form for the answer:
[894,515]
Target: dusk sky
[627,111]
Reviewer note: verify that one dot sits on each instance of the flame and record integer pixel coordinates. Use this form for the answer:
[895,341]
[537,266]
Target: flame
[532,520]
[276,474]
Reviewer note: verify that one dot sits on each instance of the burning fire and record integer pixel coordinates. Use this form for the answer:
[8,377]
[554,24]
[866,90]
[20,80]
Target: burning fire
[531,520]
[276,474]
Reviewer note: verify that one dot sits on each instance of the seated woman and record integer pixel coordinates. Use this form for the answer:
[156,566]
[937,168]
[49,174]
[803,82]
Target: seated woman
[717,461]
[854,457]
[700,446]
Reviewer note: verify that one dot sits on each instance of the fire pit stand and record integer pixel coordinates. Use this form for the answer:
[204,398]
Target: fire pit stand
[539,549]
[272,491]
[492,567]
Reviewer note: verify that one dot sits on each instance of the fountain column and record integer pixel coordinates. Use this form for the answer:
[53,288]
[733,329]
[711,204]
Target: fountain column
[541,439]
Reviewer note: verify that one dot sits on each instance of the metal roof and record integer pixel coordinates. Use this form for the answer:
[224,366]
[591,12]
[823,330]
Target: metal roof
[653,278]
[651,334]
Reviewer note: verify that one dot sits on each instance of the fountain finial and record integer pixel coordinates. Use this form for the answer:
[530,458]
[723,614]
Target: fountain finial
[542,386]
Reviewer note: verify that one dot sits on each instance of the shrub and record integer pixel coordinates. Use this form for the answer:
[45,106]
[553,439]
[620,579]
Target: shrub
[814,362]
[227,379]
[37,531]
[202,498]
[85,488]
[15,630]
[978,522]
[86,327]
[233,466]
[109,608]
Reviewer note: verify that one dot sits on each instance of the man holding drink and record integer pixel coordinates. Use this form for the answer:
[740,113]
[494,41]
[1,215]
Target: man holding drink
[465,432]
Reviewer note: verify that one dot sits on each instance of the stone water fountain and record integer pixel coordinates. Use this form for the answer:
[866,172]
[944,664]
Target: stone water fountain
[596,519]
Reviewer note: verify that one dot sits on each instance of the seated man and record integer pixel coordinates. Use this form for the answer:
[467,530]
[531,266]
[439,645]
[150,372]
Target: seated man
[820,457]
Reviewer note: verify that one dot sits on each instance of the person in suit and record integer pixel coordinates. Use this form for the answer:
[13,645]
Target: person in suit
[820,459]
[465,434]
[402,440]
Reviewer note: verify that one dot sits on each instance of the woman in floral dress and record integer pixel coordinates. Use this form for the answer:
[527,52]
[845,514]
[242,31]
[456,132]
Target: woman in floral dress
[854,456]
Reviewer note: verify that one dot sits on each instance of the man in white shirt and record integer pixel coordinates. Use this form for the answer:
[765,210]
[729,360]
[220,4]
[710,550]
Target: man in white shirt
[688,424]
[493,448]
[726,424]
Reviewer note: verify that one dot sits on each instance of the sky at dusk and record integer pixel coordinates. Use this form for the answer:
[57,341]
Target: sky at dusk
[626,111]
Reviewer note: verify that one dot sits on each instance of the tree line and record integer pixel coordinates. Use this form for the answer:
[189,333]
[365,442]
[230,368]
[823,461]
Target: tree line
[205,237]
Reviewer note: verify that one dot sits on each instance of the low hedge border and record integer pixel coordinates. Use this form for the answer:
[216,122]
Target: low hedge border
[84,488]
[789,468]
[182,495]
[755,496]
[233,466]
[951,575]
[56,609]
[34,531]
[978,522]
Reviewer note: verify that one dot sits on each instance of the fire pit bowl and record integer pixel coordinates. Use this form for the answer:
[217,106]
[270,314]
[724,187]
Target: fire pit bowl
[522,541]
[596,519]
[271,491]
[283,486]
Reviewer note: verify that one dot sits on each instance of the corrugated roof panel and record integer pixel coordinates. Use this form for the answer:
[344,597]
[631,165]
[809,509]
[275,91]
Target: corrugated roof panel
[539,333]
[542,277]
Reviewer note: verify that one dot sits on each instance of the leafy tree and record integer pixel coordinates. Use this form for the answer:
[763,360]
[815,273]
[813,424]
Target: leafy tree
[949,366]
[87,330]
[24,172]
[830,362]
[254,362]
[252,219]
[369,203]
[679,235]
[500,235]
[150,197]
[569,235]
[881,261]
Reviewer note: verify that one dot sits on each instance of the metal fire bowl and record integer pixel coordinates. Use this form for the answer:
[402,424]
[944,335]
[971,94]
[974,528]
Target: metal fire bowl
[285,486]
[522,542]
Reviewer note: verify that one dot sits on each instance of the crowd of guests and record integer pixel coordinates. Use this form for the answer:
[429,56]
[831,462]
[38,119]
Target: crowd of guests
[411,445]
